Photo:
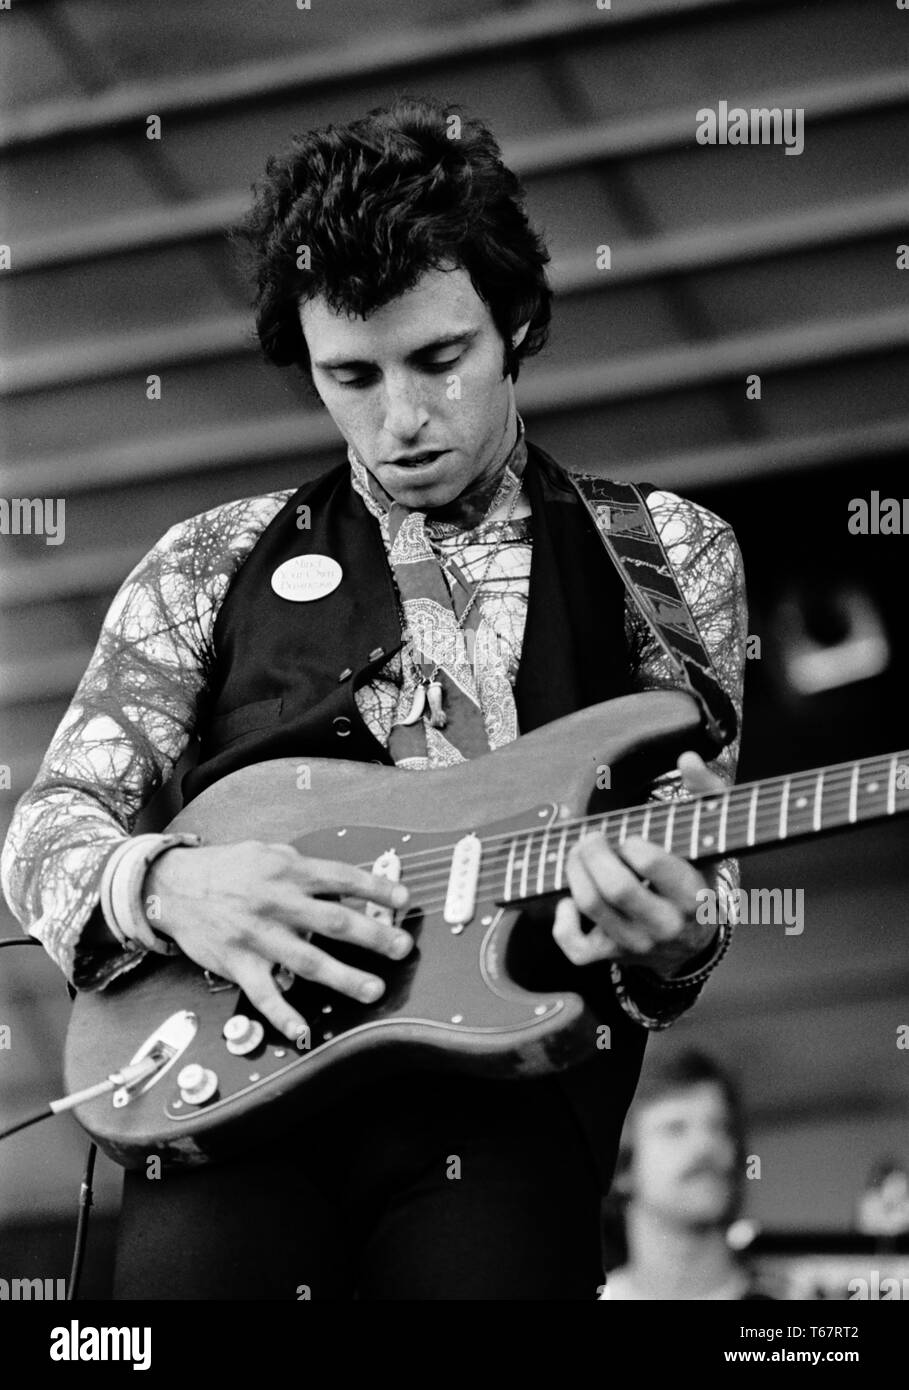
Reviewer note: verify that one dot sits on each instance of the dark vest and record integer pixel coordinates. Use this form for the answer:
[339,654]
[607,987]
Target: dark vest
[284,676]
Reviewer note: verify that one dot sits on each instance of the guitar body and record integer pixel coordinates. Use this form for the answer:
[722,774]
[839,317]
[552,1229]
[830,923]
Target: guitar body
[460,1001]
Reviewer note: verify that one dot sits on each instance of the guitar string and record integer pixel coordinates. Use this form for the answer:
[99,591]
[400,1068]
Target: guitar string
[424,877]
[765,826]
[739,799]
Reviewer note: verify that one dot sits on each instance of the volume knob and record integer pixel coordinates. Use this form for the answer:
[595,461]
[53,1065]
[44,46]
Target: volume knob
[197,1084]
[242,1034]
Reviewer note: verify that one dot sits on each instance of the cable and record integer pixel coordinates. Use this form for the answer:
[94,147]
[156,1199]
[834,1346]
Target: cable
[19,941]
[44,1113]
[132,1075]
[85,1204]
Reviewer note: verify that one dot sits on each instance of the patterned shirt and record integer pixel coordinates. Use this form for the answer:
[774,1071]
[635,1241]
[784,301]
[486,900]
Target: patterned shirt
[135,709]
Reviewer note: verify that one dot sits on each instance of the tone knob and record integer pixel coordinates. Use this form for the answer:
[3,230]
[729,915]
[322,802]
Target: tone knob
[243,1034]
[197,1084]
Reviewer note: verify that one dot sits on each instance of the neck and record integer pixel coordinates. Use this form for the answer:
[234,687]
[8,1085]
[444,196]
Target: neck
[471,506]
[671,1260]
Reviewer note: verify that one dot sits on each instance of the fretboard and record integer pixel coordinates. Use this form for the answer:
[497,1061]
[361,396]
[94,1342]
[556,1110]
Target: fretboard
[742,818]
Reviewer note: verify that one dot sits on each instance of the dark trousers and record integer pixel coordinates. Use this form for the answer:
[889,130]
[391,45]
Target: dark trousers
[424,1188]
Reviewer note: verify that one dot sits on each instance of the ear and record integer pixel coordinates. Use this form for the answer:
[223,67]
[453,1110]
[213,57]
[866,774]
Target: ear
[518,337]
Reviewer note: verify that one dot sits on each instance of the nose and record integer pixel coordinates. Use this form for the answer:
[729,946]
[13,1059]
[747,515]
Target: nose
[405,412]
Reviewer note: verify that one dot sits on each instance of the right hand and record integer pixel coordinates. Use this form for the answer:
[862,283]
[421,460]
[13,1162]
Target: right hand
[240,909]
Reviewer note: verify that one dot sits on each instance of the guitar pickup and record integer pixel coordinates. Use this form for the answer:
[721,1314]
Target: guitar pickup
[388,865]
[461,898]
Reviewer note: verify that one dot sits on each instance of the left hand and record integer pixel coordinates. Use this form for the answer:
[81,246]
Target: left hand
[651,926]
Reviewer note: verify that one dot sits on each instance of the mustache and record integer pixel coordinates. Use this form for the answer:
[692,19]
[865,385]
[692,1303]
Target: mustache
[708,1167]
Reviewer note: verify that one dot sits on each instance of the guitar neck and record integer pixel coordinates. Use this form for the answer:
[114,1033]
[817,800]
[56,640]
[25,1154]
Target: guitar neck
[746,817]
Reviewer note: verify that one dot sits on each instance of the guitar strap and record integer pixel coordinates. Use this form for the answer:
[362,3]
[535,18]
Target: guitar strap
[632,542]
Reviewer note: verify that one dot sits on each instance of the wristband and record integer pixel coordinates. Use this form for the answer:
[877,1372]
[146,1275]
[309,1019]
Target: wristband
[121,890]
[697,977]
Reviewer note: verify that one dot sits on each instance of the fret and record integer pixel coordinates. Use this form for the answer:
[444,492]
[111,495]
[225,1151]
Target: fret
[706,832]
[798,812]
[542,869]
[670,818]
[891,785]
[784,807]
[853,793]
[724,816]
[525,868]
[695,827]
[645,823]
[509,871]
[560,859]
[623,826]
[634,815]
[752,814]
[818,801]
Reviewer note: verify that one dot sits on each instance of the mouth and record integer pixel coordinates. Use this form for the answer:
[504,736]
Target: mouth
[417,460]
[414,463]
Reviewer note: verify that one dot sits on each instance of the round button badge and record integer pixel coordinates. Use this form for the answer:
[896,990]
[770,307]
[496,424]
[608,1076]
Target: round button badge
[306,577]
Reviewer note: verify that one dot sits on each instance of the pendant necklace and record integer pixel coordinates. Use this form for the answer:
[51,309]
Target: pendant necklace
[430,690]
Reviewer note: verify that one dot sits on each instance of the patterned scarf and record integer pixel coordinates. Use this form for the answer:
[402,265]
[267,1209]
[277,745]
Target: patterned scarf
[478,701]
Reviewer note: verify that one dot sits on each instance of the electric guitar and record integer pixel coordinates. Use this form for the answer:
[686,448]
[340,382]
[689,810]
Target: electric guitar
[482,847]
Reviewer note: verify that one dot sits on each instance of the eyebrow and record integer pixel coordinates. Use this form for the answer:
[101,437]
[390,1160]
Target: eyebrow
[447,340]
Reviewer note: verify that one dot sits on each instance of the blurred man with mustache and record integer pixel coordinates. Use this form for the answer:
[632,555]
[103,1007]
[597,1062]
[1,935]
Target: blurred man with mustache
[679,1180]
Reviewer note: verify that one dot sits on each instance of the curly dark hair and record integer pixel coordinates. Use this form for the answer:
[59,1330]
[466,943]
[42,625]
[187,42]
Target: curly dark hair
[408,188]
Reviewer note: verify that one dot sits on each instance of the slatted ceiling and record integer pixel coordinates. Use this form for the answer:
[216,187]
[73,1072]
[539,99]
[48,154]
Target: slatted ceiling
[850,396]
[32,68]
[61,305]
[78,304]
[835,282]
[718,186]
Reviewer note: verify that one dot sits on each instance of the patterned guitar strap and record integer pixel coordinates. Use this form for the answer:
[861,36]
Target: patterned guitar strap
[626,528]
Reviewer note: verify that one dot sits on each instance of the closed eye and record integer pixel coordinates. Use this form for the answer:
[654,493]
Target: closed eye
[358,383]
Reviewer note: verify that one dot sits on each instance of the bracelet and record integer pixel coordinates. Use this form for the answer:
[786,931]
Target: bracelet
[697,977]
[121,890]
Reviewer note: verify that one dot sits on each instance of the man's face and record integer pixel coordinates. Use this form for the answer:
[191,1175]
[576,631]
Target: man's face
[423,375]
[684,1157]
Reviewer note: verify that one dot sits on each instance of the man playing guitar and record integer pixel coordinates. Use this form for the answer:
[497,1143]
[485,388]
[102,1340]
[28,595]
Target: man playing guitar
[394,265]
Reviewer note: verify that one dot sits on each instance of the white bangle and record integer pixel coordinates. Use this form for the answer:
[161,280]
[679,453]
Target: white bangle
[121,890]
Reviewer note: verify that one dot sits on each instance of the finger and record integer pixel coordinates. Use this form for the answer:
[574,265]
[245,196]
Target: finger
[282,947]
[579,946]
[675,880]
[255,979]
[340,923]
[333,876]
[602,881]
[697,776]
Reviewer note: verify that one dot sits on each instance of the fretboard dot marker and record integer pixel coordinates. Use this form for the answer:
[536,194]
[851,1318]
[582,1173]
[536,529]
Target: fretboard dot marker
[457,1018]
[872,788]
[486,921]
[540,1009]
[707,841]
[801,803]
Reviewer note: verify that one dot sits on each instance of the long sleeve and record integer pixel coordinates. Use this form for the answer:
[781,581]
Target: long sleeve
[129,721]
[707,562]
